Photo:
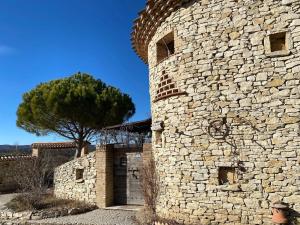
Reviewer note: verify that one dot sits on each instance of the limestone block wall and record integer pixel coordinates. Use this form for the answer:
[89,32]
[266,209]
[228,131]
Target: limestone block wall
[7,182]
[77,179]
[8,169]
[238,109]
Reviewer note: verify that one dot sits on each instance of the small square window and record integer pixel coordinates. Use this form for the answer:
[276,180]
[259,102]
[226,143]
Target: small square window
[79,174]
[165,47]
[227,175]
[278,42]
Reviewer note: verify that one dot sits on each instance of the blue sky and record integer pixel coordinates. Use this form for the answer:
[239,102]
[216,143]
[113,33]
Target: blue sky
[41,40]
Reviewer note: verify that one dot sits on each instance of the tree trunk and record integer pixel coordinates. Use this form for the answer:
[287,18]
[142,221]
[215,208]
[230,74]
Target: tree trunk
[80,145]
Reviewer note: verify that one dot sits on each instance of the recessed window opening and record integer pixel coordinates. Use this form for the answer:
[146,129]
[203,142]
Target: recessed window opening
[278,42]
[79,174]
[227,175]
[158,137]
[165,47]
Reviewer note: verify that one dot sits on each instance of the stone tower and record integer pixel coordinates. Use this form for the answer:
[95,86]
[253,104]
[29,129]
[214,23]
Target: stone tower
[225,97]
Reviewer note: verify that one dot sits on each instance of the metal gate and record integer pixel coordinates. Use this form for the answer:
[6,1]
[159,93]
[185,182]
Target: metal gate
[127,178]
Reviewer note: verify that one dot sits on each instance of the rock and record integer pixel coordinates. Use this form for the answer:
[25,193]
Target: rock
[73,211]
[262,76]
[290,119]
[231,187]
[234,35]
[36,217]
[275,82]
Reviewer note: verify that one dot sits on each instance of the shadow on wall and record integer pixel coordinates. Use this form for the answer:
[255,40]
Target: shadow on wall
[294,216]
[187,3]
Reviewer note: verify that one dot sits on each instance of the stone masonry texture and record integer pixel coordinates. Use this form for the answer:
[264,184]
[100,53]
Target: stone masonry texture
[241,110]
[68,187]
[8,166]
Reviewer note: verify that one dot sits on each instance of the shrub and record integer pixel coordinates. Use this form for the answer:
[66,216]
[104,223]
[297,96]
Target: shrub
[144,217]
[36,201]
[20,203]
[150,186]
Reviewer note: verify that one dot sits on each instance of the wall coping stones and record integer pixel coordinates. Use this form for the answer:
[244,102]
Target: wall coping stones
[54,145]
[16,157]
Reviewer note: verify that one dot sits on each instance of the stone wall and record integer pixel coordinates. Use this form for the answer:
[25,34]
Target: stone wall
[96,178]
[76,179]
[8,168]
[10,164]
[7,182]
[237,114]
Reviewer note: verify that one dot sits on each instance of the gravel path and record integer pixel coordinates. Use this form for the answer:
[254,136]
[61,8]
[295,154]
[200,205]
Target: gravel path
[96,217]
[5,199]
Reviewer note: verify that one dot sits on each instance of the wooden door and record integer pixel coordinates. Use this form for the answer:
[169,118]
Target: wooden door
[134,169]
[127,178]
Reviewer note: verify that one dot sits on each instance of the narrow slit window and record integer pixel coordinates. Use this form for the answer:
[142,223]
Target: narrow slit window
[158,137]
[278,42]
[227,175]
[165,47]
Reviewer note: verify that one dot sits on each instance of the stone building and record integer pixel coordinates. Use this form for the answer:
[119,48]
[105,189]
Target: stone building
[225,97]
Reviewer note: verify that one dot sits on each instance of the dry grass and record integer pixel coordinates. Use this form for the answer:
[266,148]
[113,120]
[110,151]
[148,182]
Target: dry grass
[26,202]
[150,186]
[144,217]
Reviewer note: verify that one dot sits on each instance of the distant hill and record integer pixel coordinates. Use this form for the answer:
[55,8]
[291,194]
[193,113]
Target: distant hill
[25,149]
[11,149]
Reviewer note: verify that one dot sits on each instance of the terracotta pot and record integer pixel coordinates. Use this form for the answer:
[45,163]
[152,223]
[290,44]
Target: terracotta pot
[279,216]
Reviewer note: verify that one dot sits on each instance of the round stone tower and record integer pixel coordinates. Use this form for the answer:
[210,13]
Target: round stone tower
[224,84]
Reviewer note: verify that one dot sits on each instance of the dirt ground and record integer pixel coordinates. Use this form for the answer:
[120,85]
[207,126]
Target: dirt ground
[5,198]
